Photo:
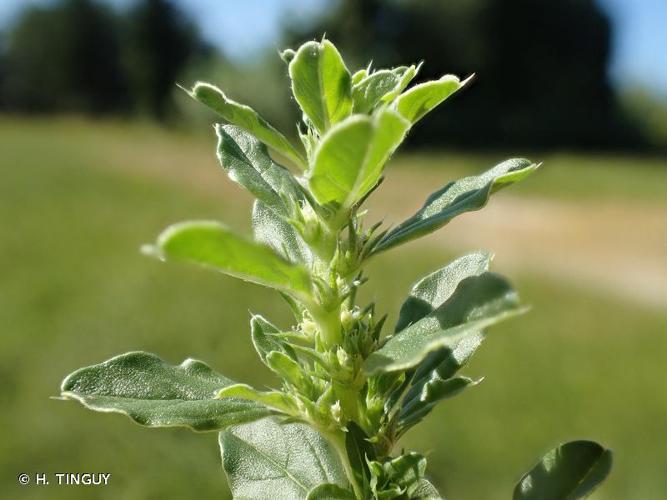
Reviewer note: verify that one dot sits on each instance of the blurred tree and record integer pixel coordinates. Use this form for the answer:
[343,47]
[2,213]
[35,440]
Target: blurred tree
[77,55]
[541,66]
[64,58]
[160,42]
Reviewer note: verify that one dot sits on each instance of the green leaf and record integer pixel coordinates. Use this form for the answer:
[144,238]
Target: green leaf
[321,84]
[267,460]
[420,99]
[248,163]
[359,451]
[264,342]
[246,118]
[350,159]
[213,245]
[156,394]
[406,78]
[478,302]
[273,399]
[286,367]
[456,198]
[399,477]
[570,471]
[432,391]
[434,289]
[271,229]
[373,89]
[426,491]
[330,492]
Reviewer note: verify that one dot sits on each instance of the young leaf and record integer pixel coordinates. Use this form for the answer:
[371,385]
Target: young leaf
[374,88]
[286,367]
[264,342]
[271,399]
[247,162]
[350,159]
[270,460]
[246,118]
[213,245]
[359,451]
[572,470]
[456,198]
[330,492]
[155,394]
[321,84]
[432,392]
[479,301]
[420,99]
[274,231]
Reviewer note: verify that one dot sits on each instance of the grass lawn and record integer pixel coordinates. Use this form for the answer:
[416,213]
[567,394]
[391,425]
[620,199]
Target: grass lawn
[78,198]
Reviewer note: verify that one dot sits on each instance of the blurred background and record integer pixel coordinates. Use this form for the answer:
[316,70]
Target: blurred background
[100,151]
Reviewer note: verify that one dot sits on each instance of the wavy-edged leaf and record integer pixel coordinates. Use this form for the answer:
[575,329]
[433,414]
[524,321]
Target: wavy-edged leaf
[349,161]
[456,198]
[330,492]
[398,477]
[420,99]
[478,302]
[246,118]
[273,230]
[321,83]
[156,394]
[261,331]
[273,399]
[380,85]
[248,163]
[267,460]
[570,471]
[214,245]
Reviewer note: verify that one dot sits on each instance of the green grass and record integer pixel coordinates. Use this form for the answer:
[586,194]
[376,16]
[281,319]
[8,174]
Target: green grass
[77,199]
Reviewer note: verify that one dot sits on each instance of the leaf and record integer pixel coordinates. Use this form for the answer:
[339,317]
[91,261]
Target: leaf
[330,492]
[570,471]
[246,118]
[248,163]
[397,477]
[264,342]
[359,451]
[456,198]
[373,89]
[420,99]
[433,391]
[213,245]
[268,460]
[286,367]
[434,289]
[321,84]
[272,230]
[273,399]
[426,491]
[478,302]
[350,159]
[156,394]
[426,296]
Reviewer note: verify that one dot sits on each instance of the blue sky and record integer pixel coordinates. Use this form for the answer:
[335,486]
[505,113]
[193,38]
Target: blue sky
[241,27]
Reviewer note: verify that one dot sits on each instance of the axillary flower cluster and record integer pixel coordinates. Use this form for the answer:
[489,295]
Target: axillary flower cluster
[348,391]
